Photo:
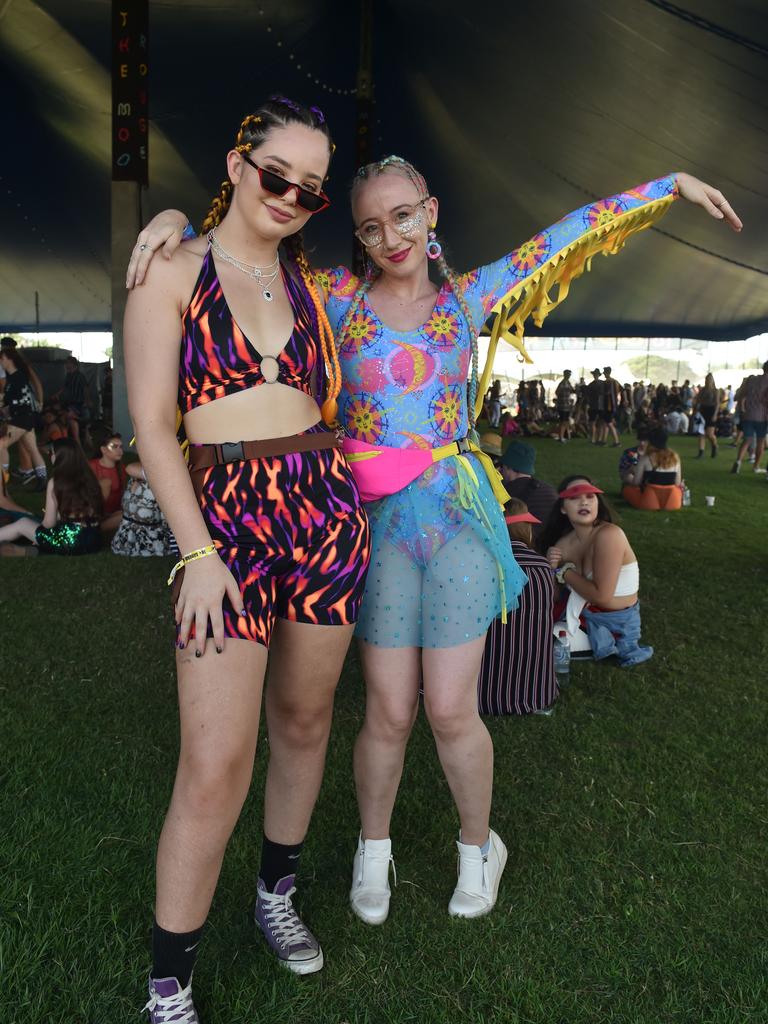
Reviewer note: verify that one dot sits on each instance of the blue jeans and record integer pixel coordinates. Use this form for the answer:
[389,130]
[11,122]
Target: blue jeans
[617,633]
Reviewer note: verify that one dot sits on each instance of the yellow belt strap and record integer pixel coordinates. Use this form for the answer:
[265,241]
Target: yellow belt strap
[494,478]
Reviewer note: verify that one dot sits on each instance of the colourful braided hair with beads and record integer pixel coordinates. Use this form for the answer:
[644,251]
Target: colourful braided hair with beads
[279,112]
[398,164]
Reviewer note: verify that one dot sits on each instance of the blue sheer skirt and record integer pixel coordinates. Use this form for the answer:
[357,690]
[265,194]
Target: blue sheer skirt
[442,567]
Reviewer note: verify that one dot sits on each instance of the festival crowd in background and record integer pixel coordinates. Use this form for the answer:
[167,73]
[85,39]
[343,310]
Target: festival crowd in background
[93,497]
[603,408]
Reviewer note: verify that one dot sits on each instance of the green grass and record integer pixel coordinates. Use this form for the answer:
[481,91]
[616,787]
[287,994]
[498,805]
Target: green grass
[635,816]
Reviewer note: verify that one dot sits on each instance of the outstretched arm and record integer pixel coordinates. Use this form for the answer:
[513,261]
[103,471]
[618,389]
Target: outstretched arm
[601,226]
[518,285]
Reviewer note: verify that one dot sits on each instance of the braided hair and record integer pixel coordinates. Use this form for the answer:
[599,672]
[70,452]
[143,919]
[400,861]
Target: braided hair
[279,112]
[398,164]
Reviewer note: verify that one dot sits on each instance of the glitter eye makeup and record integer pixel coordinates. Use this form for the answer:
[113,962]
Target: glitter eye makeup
[405,221]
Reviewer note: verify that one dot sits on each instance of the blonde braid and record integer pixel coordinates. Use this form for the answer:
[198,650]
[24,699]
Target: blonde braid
[449,276]
[219,207]
[242,145]
[220,204]
[354,304]
[330,407]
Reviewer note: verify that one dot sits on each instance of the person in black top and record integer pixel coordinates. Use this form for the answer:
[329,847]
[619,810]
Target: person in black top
[564,393]
[656,482]
[73,395]
[611,398]
[517,466]
[595,404]
[24,471]
[19,413]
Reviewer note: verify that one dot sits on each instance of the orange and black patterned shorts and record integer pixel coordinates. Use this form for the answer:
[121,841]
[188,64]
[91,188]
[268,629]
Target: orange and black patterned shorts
[294,534]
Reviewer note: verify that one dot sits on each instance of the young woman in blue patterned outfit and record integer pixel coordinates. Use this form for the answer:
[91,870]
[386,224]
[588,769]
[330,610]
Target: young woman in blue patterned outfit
[441,568]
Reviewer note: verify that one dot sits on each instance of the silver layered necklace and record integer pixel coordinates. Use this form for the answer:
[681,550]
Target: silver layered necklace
[263,276]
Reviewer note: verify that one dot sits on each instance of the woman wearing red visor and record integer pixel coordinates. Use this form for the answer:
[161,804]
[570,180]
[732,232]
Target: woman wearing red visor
[593,558]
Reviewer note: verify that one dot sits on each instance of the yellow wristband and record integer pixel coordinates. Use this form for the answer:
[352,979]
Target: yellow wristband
[191,556]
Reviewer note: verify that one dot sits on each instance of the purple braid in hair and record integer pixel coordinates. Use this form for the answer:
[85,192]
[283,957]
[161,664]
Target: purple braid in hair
[291,104]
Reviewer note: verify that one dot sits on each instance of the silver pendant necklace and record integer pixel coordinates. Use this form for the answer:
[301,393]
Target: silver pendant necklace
[263,276]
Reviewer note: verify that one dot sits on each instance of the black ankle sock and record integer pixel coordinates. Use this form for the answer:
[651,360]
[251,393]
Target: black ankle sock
[174,953]
[277,861]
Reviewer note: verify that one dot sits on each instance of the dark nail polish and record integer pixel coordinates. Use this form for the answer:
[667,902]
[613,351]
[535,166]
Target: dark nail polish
[182,645]
[198,654]
[218,650]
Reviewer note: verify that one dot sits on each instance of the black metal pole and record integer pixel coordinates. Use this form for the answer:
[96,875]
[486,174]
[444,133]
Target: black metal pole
[365,103]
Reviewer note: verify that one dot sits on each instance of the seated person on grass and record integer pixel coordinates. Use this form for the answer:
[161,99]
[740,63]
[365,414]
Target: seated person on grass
[518,465]
[54,424]
[592,557]
[630,457]
[517,674]
[656,481]
[73,504]
[144,530]
[109,470]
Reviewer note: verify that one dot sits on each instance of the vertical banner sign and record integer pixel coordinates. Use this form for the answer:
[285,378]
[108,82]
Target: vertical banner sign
[130,104]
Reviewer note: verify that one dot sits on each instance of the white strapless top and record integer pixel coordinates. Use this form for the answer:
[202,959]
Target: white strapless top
[628,581]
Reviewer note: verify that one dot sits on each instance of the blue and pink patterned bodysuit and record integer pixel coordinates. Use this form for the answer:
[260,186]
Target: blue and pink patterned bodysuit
[440,571]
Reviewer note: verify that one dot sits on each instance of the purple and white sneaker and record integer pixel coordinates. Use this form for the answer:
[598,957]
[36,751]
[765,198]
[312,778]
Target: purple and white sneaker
[169,1003]
[292,942]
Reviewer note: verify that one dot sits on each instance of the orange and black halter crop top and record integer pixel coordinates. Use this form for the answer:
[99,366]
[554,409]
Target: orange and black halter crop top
[216,357]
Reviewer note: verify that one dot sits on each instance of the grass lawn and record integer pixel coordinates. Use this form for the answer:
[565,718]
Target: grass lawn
[635,816]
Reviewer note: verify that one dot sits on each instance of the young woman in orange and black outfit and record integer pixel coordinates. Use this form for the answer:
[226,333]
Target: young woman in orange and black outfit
[277,542]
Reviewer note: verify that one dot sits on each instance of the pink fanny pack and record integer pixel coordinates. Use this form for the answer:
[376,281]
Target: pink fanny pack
[379,470]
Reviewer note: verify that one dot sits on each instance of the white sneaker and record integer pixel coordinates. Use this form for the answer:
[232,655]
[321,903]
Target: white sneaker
[479,876]
[370,892]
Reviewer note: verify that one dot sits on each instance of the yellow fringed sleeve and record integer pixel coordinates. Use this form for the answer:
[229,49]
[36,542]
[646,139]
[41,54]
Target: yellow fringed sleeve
[531,295]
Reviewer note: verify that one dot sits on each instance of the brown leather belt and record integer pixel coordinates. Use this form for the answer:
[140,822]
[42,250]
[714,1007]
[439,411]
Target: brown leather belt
[202,456]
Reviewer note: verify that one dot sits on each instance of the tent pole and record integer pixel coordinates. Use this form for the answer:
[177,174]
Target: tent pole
[130,171]
[363,148]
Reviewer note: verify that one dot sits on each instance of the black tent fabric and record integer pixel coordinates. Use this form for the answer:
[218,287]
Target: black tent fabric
[516,114]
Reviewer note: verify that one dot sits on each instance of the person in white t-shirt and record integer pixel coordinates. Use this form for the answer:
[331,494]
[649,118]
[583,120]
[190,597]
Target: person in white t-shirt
[676,422]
